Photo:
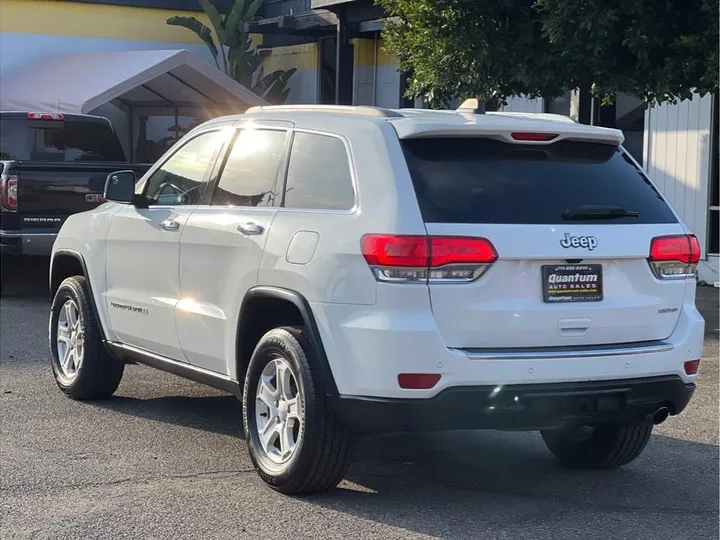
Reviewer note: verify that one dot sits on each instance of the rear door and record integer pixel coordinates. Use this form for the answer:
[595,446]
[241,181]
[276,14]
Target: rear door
[572,223]
[222,245]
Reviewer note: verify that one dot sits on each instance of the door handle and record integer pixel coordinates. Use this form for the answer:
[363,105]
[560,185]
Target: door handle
[170,225]
[250,228]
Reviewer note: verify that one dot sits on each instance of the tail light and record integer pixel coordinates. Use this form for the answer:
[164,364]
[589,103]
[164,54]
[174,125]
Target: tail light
[674,257]
[537,137]
[8,192]
[45,116]
[438,259]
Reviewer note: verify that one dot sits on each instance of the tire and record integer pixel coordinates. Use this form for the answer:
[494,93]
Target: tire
[94,374]
[605,446]
[322,444]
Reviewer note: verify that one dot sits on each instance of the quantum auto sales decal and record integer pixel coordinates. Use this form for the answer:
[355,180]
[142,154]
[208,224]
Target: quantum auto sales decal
[577,282]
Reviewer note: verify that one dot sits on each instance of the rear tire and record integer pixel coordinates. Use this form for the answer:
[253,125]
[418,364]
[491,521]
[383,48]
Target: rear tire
[82,367]
[316,451]
[605,446]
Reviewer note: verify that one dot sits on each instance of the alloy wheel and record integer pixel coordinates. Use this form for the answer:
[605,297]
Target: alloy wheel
[70,339]
[278,411]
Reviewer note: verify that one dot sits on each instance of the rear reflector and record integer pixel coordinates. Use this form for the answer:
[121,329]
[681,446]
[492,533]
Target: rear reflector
[674,257]
[45,116]
[692,367]
[420,258]
[533,136]
[418,381]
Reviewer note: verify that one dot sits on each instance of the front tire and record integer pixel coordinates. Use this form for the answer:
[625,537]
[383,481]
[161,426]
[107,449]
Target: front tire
[296,441]
[605,446]
[82,367]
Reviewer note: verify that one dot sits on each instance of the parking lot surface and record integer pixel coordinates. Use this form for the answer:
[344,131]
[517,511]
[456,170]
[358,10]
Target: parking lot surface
[164,459]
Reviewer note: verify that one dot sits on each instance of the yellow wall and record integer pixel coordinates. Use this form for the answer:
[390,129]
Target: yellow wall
[364,51]
[54,17]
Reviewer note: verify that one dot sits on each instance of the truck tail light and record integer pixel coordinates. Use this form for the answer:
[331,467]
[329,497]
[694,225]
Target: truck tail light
[674,257]
[434,259]
[45,116]
[8,192]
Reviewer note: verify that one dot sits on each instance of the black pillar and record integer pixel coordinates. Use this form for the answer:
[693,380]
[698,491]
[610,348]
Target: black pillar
[344,61]
[584,106]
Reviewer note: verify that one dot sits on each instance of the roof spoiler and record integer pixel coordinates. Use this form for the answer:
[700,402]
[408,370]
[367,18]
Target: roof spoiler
[472,106]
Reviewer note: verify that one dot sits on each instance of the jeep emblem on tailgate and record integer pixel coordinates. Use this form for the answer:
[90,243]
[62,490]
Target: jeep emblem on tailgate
[589,242]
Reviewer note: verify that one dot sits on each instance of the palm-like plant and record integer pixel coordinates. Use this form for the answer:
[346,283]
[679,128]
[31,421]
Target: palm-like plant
[233,51]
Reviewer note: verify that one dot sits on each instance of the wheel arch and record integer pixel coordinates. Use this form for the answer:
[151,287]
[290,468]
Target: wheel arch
[66,263]
[264,308]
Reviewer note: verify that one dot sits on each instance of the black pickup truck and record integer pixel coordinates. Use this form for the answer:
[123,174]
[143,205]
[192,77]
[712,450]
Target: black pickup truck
[51,166]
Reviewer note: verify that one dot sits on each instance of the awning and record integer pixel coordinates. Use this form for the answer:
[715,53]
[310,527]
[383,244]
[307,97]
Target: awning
[79,83]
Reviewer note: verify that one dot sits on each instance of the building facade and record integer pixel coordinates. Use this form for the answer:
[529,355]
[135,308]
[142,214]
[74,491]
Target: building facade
[336,47]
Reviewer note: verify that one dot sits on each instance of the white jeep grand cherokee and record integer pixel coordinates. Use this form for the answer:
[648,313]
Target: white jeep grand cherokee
[349,270]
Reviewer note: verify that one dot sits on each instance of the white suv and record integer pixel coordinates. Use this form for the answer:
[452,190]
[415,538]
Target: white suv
[349,270]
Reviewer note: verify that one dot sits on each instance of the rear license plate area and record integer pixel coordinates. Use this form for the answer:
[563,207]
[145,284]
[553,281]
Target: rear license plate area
[572,283]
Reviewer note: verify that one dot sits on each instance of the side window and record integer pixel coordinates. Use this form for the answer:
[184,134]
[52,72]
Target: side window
[318,176]
[250,172]
[180,180]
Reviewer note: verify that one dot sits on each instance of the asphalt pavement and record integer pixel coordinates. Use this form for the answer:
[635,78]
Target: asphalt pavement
[164,459]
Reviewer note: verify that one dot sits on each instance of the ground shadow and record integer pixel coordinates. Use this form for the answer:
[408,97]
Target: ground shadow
[215,414]
[28,279]
[509,485]
[493,484]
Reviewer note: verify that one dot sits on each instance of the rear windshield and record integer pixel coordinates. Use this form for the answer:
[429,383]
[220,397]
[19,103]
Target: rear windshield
[476,180]
[68,140]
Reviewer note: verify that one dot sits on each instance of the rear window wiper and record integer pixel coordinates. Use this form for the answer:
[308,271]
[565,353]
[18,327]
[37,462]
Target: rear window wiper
[597,212]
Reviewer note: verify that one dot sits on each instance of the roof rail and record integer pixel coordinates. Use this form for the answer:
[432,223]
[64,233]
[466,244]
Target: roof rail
[377,112]
[472,106]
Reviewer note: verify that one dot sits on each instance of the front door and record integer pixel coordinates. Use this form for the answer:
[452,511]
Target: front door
[143,247]
[222,246]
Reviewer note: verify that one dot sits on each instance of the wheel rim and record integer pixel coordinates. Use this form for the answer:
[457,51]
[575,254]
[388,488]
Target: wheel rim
[277,411]
[70,339]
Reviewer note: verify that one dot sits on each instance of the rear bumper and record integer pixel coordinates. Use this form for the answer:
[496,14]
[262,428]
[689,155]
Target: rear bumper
[518,407]
[19,243]
[367,347]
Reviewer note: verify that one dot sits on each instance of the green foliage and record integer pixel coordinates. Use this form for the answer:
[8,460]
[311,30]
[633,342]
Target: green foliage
[231,45]
[202,31]
[656,50]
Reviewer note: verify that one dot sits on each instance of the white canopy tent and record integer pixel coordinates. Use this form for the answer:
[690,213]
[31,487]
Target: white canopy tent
[128,87]
[82,82]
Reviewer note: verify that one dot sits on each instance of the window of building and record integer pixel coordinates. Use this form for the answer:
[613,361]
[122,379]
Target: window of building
[319,176]
[250,173]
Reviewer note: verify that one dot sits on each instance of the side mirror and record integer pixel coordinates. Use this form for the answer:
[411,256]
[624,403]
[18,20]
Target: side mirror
[120,187]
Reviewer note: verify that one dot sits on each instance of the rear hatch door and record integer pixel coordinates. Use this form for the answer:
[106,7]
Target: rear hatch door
[572,223]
